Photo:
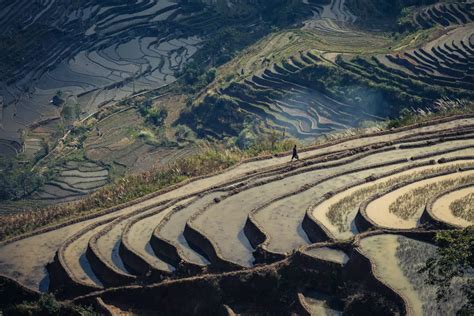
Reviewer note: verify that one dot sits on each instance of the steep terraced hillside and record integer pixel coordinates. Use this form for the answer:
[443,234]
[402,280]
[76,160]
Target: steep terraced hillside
[268,235]
[444,62]
[331,73]
[68,65]
[445,14]
[122,86]
[102,81]
[75,178]
[90,54]
[94,90]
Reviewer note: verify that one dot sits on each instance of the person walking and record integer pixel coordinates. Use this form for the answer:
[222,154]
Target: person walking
[295,154]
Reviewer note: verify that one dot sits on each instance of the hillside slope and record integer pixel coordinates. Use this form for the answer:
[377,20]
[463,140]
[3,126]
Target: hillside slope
[130,88]
[259,212]
[336,72]
[100,101]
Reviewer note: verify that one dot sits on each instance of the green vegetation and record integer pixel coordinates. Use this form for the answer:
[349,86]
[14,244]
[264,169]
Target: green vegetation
[220,113]
[220,48]
[406,94]
[464,207]
[46,305]
[153,115]
[349,88]
[17,180]
[71,111]
[78,133]
[346,72]
[196,78]
[156,116]
[232,36]
[405,19]
[411,255]
[151,133]
[283,12]
[454,260]
[392,15]
[16,300]
[217,116]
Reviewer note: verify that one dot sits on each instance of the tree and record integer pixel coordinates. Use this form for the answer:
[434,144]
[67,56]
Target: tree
[157,116]
[210,75]
[455,259]
[17,180]
[77,111]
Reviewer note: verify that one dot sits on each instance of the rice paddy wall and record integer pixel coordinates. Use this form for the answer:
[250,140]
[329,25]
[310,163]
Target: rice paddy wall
[364,222]
[318,270]
[358,263]
[429,218]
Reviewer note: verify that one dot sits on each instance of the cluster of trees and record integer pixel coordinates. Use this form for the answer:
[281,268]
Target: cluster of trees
[222,44]
[282,12]
[216,116]
[17,180]
[454,260]
[394,15]
[153,115]
[218,49]
[196,77]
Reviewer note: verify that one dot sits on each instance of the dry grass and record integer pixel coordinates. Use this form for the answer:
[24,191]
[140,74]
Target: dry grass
[408,204]
[441,108]
[122,191]
[367,128]
[209,159]
[338,212]
[464,207]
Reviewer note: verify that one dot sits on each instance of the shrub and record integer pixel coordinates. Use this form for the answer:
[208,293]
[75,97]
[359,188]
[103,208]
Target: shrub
[17,180]
[153,115]
[45,305]
[454,260]
[156,116]
[48,305]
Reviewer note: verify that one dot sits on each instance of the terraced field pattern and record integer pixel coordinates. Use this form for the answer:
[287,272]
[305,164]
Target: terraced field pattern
[92,55]
[95,59]
[346,206]
[283,79]
[354,219]
[86,56]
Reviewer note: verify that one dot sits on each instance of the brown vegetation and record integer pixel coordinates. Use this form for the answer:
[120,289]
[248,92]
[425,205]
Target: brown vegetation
[208,160]
[406,205]
[464,207]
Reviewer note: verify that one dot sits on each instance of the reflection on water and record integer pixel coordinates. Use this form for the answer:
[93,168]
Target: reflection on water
[88,269]
[116,259]
[44,283]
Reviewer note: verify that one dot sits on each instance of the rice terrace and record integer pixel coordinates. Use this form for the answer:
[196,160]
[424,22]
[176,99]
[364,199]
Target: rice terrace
[237,157]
